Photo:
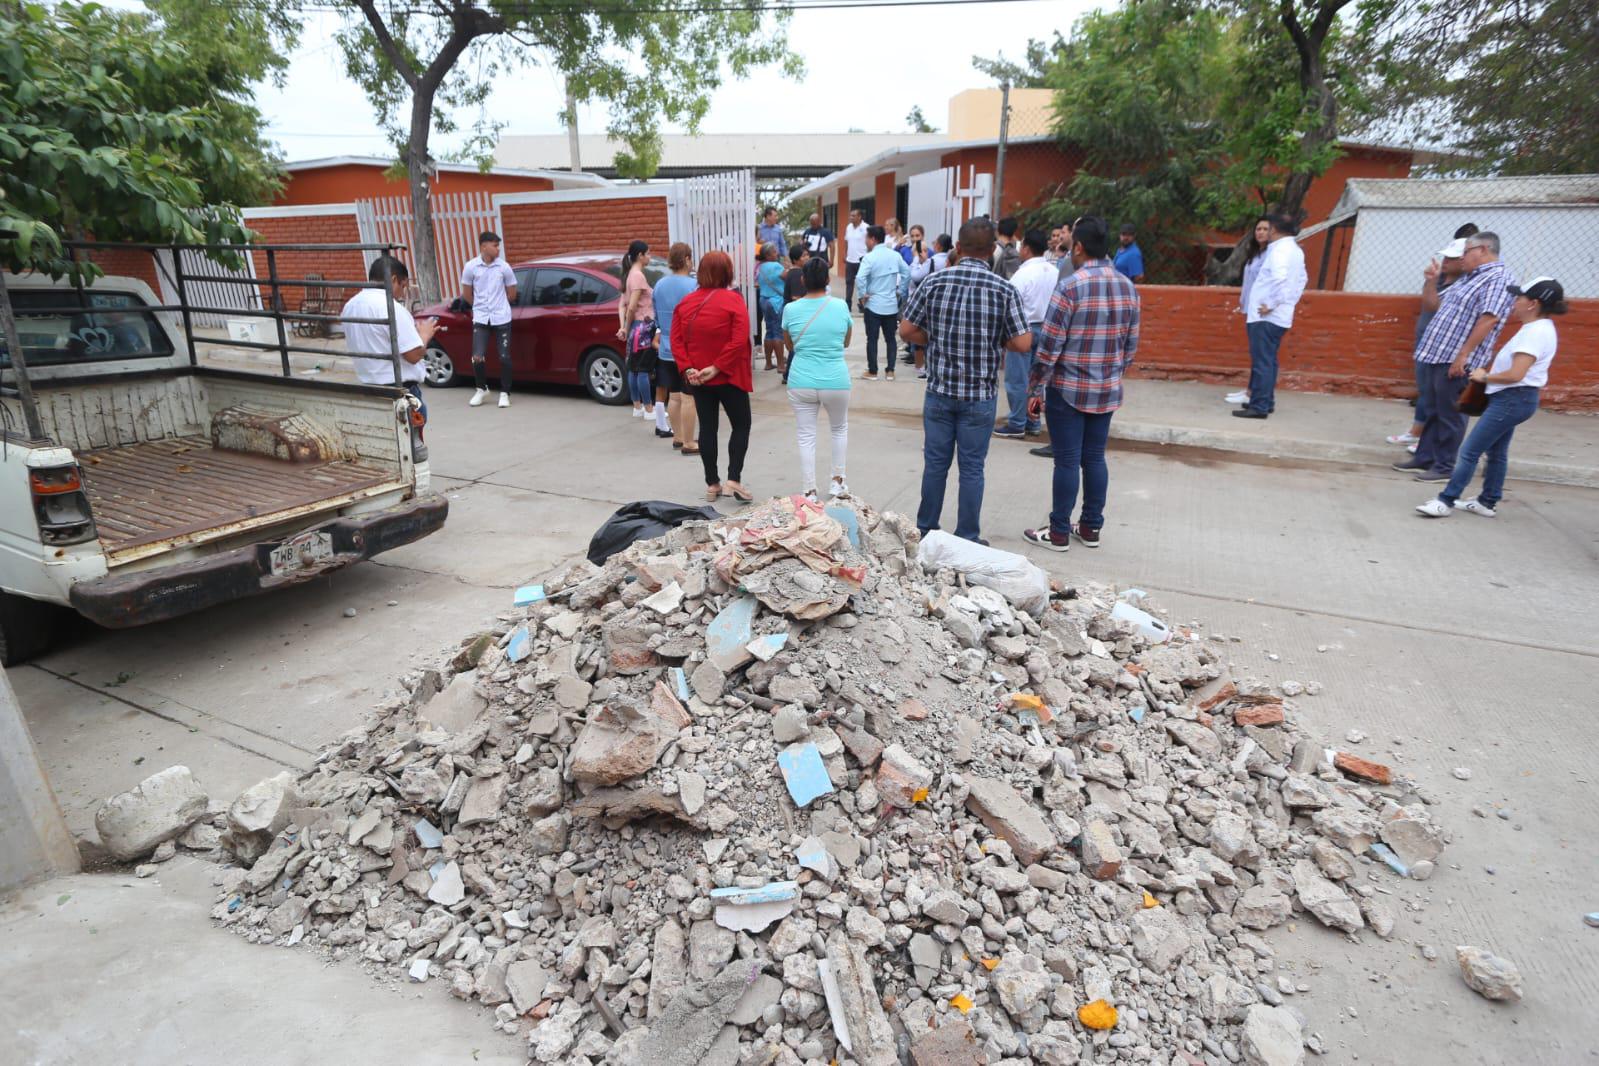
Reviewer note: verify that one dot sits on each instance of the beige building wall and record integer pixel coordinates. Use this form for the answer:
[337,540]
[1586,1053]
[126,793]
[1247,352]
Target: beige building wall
[974,114]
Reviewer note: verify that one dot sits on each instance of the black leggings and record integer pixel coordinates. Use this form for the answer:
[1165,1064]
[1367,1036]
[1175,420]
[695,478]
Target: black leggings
[707,399]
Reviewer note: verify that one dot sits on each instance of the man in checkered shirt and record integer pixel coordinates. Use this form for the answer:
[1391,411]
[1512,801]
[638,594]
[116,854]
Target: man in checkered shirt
[968,317]
[1089,337]
[1458,340]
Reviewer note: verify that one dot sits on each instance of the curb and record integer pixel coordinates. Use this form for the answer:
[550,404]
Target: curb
[1366,455]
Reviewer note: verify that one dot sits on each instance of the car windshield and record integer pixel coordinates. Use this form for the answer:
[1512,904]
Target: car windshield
[655,269]
[109,326]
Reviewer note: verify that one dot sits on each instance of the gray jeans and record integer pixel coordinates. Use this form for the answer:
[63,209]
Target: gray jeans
[807,403]
[480,349]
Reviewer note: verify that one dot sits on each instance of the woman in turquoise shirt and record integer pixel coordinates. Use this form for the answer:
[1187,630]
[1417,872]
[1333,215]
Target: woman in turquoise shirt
[817,329]
[769,280]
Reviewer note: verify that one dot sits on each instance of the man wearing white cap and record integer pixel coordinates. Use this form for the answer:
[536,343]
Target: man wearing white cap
[1458,340]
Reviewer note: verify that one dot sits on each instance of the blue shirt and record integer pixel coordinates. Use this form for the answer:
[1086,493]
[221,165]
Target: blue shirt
[772,234]
[817,329]
[883,278]
[770,278]
[1130,260]
[669,292]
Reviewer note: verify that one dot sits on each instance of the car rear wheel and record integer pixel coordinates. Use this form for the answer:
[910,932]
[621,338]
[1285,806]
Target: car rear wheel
[27,627]
[439,371]
[603,376]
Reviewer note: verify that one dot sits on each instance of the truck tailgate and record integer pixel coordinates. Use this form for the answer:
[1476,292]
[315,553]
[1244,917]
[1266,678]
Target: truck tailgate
[165,493]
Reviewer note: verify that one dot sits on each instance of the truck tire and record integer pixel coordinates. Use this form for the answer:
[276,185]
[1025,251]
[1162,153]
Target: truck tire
[605,376]
[27,627]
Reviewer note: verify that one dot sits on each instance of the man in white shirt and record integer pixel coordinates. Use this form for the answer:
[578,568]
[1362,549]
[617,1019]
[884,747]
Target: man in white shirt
[1278,287]
[370,342]
[1035,280]
[489,285]
[854,252]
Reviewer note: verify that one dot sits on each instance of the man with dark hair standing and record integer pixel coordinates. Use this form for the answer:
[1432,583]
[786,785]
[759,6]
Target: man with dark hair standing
[1130,257]
[1035,282]
[968,317]
[770,231]
[883,280]
[1277,289]
[370,341]
[1458,340]
[854,252]
[1088,341]
[489,285]
[1007,257]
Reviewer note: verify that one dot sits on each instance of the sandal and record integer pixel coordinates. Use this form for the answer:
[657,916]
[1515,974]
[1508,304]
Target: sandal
[690,449]
[713,492]
[742,494]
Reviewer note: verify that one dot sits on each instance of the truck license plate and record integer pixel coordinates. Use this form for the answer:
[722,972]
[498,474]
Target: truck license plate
[301,552]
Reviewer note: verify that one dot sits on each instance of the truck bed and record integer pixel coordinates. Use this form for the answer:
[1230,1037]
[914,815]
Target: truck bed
[183,490]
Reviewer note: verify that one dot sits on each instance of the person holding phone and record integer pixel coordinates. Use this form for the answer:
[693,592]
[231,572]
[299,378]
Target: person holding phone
[370,343]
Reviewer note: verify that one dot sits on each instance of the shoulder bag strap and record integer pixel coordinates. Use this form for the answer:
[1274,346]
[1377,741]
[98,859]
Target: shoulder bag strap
[823,306]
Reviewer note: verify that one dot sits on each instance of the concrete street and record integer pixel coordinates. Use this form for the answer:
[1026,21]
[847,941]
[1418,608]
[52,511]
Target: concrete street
[1465,642]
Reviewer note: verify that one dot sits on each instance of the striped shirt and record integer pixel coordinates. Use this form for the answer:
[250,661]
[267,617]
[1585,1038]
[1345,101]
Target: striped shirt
[969,313]
[1484,291]
[1089,337]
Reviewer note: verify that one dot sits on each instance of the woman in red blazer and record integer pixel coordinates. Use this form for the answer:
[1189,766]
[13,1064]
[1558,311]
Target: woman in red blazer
[711,342]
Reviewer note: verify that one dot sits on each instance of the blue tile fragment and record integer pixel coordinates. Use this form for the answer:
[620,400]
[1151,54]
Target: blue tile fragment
[774,892]
[804,772]
[521,645]
[846,517]
[528,595]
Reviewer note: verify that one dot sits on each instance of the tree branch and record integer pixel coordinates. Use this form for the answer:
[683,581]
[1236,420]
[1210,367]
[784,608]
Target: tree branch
[1290,17]
[390,47]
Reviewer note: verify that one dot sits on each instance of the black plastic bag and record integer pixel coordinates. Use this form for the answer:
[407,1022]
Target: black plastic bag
[641,520]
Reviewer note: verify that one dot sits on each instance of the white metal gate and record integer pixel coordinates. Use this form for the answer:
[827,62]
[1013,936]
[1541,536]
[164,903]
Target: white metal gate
[458,218]
[940,200]
[716,212]
[223,294]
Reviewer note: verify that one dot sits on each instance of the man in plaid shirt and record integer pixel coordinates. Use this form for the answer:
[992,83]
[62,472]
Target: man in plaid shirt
[1088,341]
[968,317]
[1458,340]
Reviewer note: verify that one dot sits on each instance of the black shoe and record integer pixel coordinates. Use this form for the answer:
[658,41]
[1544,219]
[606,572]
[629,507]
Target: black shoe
[1007,433]
[1250,412]
[1410,466]
[1045,450]
[1435,475]
[663,433]
[1089,537]
[981,541]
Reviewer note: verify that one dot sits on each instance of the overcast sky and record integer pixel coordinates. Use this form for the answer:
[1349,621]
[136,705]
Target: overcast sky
[864,69]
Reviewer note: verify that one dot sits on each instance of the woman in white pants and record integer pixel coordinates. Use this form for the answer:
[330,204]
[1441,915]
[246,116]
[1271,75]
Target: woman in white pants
[816,330]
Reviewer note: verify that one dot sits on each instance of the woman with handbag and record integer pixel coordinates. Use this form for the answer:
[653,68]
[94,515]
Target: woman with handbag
[637,312]
[1512,385]
[711,343]
[817,329]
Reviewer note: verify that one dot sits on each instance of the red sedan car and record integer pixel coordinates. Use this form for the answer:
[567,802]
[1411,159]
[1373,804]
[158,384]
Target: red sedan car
[563,327]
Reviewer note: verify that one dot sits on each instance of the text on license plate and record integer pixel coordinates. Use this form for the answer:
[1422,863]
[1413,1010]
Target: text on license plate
[301,552]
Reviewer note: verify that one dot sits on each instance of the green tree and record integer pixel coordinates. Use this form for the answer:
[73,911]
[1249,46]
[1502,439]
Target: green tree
[110,129]
[918,122]
[650,64]
[1513,86]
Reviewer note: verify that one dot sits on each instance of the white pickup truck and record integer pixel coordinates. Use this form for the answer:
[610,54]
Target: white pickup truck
[155,486]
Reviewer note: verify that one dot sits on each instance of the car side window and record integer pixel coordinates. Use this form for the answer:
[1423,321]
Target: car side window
[558,288]
[596,290]
[524,288]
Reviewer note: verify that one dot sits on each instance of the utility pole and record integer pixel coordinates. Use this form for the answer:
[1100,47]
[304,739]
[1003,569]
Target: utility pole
[571,131]
[998,210]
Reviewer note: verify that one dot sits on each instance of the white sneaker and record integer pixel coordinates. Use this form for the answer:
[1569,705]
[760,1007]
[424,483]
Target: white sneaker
[1435,508]
[505,399]
[638,412]
[1402,438]
[477,398]
[1475,507]
[1411,448]
[1241,396]
[838,489]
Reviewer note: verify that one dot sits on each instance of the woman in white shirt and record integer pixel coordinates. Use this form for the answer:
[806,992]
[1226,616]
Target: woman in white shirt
[1259,237]
[1519,372]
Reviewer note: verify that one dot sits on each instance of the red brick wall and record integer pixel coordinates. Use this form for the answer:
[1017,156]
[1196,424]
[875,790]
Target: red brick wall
[128,263]
[360,181]
[539,230]
[1341,342]
[308,229]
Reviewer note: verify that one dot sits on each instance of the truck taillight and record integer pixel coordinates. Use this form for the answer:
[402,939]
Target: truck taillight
[60,505]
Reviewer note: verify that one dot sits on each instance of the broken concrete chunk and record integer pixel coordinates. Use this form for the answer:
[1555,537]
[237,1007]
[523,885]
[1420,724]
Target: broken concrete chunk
[158,808]
[1159,938]
[617,743]
[1010,817]
[690,1022]
[870,1039]
[448,889]
[525,981]
[1413,840]
[1101,857]
[260,813]
[1489,975]
[952,1044]
[1272,1037]
[1330,904]
[484,799]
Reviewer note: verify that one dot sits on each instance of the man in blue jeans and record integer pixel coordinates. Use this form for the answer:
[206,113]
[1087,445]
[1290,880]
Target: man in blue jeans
[1035,280]
[1277,289]
[1090,335]
[968,317]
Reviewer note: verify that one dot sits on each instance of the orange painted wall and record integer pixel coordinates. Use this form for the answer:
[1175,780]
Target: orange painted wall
[356,181]
[534,231]
[1353,343]
[884,197]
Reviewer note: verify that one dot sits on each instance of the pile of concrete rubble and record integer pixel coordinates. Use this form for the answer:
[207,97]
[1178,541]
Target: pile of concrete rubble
[764,790]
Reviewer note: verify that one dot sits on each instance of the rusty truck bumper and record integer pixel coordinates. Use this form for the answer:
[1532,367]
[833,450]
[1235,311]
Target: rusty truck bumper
[119,601]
